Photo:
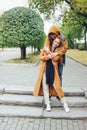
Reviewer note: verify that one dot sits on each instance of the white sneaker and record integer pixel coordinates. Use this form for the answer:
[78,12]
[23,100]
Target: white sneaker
[66,107]
[48,107]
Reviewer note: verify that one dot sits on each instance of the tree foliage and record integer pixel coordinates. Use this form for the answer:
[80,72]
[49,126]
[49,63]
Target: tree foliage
[72,28]
[1,29]
[74,18]
[22,27]
[46,6]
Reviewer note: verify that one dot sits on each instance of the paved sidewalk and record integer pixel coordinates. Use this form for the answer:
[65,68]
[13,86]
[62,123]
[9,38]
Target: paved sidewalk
[16,123]
[74,75]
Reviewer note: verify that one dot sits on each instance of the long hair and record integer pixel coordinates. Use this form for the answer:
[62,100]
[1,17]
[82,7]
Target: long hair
[61,41]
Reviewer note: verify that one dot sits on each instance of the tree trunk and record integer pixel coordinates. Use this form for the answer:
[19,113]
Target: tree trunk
[38,50]
[85,41]
[23,52]
[32,49]
[2,47]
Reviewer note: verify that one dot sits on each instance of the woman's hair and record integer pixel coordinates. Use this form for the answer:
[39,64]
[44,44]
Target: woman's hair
[59,37]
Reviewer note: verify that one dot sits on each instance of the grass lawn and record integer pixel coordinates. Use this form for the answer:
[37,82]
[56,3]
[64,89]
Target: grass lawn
[30,58]
[78,55]
[73,53]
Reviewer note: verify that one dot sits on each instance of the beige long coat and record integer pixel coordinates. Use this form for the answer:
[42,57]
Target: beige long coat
[56,89]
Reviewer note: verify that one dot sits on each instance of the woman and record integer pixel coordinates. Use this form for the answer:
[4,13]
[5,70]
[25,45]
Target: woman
[53,32]
[49,72]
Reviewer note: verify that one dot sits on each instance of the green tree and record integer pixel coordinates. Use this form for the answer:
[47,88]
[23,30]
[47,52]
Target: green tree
[46,6]
[1,38]
[76,7]
[22,27]
[72,27]
[77,14]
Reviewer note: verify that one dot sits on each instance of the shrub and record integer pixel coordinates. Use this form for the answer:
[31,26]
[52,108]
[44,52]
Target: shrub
[76,45]
[81,47]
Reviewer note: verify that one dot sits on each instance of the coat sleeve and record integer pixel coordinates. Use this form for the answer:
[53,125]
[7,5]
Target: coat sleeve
[43,56]
[56,58]
[64,48]
[60,52]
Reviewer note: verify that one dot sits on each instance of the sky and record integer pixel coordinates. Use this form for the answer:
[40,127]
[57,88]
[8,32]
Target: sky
[8,4]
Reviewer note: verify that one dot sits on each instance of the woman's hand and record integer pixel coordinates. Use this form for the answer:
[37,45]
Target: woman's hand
[53,54]
[55,63]
[49,56]
[46,49]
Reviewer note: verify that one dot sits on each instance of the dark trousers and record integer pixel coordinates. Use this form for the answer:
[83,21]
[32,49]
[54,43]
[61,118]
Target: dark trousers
[60,68]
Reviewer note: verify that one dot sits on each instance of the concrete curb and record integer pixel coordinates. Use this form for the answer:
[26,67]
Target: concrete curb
[28,90]
[28,100]
[77,61]
[2,88]
[33,112]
